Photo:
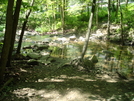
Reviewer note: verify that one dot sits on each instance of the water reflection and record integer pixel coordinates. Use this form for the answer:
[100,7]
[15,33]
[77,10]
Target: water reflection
[111,57]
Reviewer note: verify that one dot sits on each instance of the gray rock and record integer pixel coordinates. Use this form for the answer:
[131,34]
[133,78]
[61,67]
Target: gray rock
[34,55]
[72,38]
[41,47]
[47,40]
[33,62]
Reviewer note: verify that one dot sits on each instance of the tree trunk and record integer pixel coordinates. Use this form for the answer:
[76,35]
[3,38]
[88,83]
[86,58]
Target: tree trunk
[97,10]
[23,29]
[7,39]
[89,29]
[15,23]
[63,15]
[117,8]
[108,23]
[121,24]
[126,3]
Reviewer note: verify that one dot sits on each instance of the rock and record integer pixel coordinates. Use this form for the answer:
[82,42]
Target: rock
[34,55]
[94,59]
[44,59]
[63,39]
[44,62]
[42,47]
[33,62]
[89,63]
[81,38]
[27,47]
[104,25]
[47,40]
[72,38]
[46,52]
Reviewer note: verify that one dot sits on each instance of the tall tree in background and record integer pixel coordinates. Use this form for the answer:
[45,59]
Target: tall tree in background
[63,15]
[126,3]
[117,8]
[23,28]
[108,23]
[97,10]
[15,23]
[121,23]
[89,29]
[7,39]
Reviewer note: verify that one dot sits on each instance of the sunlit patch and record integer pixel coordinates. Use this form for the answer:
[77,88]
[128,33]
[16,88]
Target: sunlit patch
[50,80]
[75,77]
[89,80]
[53,95]
[111,80]
[23,70]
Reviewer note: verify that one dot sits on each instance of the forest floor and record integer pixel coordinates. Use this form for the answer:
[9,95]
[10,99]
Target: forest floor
[67,83]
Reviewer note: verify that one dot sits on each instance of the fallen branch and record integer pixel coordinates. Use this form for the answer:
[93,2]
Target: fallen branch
[10,80]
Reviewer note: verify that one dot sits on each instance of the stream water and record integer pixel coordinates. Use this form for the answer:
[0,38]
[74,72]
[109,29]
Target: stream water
[110,56]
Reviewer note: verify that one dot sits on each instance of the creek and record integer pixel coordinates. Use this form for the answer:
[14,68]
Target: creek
[111,56]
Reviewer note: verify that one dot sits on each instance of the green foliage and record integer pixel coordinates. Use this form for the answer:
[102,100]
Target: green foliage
[3,1]
[128,19]
[2,28]
[42,29]
[102,14]
[1,34]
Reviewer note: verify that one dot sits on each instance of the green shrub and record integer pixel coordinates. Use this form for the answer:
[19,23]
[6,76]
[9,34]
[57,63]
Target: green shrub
[2,27]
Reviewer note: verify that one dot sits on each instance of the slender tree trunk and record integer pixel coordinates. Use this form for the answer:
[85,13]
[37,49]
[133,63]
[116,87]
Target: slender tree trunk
[63,15]
[88,10]
[7,39]
[15,23]
[89,29]
[117,8]
[121,24]
[108,23]
[21,37]
[97,9]
[126,3]
[23,29]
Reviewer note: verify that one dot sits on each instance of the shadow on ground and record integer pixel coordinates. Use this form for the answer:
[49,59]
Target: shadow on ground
[50,83]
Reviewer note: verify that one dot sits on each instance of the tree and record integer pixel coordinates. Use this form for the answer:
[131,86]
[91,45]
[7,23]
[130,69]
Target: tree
[108,23]
[7,39]
[121,23]
[23,28]
[117,8]
[15,23]
[63,15]
[89,29]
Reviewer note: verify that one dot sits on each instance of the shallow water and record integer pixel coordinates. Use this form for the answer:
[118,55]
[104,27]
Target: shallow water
[111,56]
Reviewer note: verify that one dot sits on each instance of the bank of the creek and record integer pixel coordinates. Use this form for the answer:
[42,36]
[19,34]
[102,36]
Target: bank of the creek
[44,72]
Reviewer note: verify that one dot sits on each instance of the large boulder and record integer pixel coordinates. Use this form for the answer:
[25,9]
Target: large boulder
[34,55]
[42,47]
[72,38]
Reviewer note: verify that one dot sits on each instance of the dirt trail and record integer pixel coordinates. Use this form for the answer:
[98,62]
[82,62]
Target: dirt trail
[50,83]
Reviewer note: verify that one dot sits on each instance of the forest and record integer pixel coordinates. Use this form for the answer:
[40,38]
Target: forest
[66,50]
